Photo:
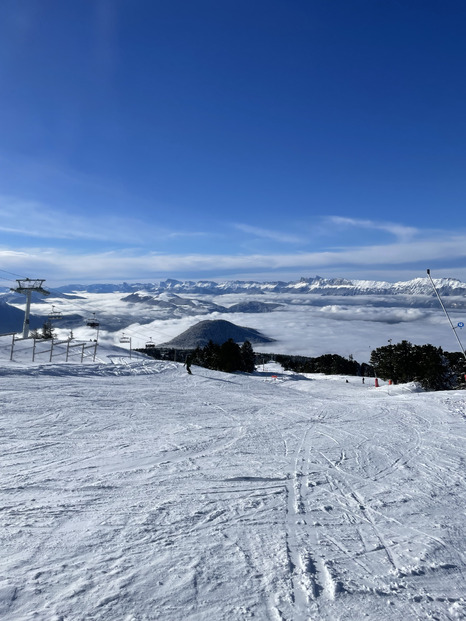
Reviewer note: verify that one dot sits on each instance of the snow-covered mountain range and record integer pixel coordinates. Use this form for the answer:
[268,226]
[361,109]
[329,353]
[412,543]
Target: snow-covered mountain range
[315,285]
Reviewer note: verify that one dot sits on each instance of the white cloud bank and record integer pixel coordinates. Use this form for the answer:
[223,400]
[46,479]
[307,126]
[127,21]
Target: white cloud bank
[116,265]
[402,258]
[379,315]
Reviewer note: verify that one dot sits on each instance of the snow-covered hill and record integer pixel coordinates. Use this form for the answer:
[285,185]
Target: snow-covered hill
[218,331]
[134,491]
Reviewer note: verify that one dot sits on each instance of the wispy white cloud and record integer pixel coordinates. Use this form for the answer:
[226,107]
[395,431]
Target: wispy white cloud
[398,230]
[34,219]
[187,234]
[52,262]
[277,236]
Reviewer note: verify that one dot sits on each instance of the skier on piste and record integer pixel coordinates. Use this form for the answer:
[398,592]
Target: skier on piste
[188,363]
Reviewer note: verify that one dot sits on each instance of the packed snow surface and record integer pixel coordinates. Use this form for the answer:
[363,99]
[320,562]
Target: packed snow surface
[132,491]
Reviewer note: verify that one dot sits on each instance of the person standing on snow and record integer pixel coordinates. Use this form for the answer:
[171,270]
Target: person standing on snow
[188,363]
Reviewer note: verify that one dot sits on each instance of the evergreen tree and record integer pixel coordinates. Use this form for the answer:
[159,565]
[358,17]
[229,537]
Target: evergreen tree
[211,355]
[198,357]
[47,330]
[405,362]
[457,364]
[230,359]
[433,369]
[395,362]
[247,357]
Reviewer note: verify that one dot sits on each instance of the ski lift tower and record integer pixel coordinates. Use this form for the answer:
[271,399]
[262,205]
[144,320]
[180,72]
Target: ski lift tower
[27,286]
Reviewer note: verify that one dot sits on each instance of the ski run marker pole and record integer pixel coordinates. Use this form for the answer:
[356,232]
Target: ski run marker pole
[446,314]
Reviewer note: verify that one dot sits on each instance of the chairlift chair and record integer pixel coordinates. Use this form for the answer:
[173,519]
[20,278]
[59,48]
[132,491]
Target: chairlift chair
[150,344]
[92,322]
[127,339]
[54,314]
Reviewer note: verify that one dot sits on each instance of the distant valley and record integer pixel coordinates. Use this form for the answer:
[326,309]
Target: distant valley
[310,316]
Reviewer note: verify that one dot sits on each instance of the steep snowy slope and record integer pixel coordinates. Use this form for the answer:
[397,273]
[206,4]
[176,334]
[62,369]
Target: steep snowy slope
[135,492]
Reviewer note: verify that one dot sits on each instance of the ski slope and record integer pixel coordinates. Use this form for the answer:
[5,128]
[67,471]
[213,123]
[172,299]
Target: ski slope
[132,491]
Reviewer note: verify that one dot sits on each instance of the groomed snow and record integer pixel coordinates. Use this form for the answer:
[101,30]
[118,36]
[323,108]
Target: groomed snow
[132,491]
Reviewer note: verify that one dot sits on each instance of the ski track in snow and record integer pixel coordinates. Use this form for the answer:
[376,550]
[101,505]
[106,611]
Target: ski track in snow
[133,491]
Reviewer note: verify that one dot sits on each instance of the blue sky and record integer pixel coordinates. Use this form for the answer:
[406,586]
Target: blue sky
[272,139]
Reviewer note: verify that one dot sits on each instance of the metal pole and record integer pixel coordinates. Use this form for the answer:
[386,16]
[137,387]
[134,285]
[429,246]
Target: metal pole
[26,286]
[34,350]
[12,346]
[27,312]
[446,314]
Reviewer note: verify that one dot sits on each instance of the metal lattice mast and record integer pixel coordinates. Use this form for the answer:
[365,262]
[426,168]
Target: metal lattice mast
[27,286]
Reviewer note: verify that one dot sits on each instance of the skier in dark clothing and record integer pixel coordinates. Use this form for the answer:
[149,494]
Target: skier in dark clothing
[188,364]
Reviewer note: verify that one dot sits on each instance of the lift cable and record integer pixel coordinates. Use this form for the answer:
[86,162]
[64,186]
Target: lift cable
[92,319]
[85,312]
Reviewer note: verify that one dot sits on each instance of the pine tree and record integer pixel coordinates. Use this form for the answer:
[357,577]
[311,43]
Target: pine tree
[47,330]
[425,364]
[230,359]
[211,354]
[248,357]
[433,371]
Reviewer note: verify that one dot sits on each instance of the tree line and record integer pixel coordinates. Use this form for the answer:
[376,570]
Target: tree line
[228,357]
[431,367]
[330,364]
